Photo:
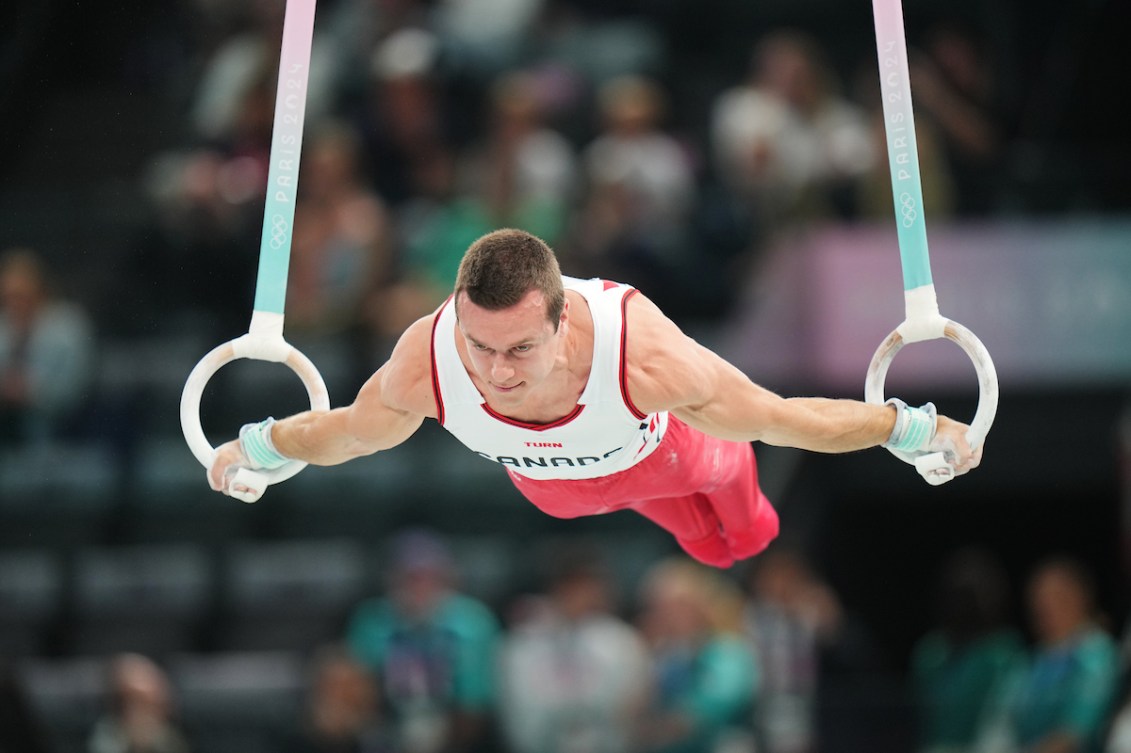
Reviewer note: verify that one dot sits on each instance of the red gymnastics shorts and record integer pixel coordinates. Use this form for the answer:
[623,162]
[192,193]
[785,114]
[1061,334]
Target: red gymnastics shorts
[703,490]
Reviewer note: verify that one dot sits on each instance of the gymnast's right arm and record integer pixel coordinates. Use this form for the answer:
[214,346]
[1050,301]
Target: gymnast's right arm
[388,409]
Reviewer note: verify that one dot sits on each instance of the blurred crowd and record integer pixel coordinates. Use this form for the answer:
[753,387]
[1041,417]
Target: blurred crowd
[430,122]
[765,660]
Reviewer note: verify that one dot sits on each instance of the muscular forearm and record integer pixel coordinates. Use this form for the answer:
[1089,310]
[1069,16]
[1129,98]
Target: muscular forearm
[333,437]
[316,437]
[824,425]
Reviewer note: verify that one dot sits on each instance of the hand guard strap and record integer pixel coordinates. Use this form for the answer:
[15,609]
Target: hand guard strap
[914,427]
[255,440]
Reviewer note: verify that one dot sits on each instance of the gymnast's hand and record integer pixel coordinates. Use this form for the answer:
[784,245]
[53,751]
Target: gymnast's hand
[226,462]
[950,439]
[236,465]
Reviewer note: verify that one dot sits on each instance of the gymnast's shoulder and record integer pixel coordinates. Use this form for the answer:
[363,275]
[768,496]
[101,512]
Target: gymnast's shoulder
[664,368]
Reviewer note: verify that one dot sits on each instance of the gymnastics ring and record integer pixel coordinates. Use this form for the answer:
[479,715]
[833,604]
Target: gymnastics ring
[255,348]
[933,466]
[922,321]
[264,339]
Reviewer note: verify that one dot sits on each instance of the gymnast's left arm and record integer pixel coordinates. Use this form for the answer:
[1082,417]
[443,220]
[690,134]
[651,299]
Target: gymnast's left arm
[388,409]
[667,370]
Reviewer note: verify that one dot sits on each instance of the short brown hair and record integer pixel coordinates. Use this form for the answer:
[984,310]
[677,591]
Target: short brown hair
[503,266]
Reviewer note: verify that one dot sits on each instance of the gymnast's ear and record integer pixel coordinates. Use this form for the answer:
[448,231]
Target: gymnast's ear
[563,318]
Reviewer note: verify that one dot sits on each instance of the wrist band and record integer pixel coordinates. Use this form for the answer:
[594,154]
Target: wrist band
[914,427]
[255,439]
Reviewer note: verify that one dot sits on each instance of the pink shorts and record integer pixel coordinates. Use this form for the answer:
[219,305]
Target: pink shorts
[701,489]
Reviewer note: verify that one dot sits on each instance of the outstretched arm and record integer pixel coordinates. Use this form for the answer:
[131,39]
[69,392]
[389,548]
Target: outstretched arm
[669,371]
[389,408]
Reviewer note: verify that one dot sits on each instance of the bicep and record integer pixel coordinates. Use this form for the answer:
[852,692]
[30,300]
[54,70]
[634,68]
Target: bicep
[375,420]
[720,400]
[670,371]
[730,406]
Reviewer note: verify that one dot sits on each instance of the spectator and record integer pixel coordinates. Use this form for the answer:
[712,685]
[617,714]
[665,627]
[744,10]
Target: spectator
[201,253]
[874,199]
[825,674]
[636,216]
[522,175]
[953,84]
[787,140]
[140,718]
[432,648]
[1117,729]
[247,61]
[428,225]
[524,172]
[342,237]
[963,668]
[790,617]
[486,36]
[1063,697]
[46,353]
[404,117]
[705,675]
[573,676]
[343,713]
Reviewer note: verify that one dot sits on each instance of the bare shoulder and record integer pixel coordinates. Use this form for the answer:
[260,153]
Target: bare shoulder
[664,368]
[404,382]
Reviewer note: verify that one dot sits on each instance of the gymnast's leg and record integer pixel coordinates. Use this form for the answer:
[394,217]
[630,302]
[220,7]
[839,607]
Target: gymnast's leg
[693,523]
[749,521]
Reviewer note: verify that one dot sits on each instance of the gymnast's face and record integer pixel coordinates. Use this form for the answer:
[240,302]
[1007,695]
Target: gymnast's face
[513,350]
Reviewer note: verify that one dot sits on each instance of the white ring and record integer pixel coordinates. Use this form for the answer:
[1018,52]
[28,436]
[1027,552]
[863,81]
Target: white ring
[220,356]
[983,365]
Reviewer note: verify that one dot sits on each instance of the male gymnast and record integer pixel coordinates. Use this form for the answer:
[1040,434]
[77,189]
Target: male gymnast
[592,400]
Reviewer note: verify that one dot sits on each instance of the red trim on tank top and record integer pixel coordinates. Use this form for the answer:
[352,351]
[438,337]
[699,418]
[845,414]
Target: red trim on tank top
[435,372]
[534,427]
[623,347]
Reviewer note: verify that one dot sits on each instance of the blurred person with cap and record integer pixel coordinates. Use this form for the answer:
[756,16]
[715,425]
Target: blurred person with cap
[432,647]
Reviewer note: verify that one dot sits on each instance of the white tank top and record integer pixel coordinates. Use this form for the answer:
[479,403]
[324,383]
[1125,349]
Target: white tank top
[603,434]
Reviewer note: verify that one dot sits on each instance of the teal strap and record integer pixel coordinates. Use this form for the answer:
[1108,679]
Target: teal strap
[286,151]
[914,427]
[257,445]
[903,153]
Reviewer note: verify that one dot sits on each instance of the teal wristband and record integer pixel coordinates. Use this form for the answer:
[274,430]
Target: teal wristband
[914,427]
[255,439]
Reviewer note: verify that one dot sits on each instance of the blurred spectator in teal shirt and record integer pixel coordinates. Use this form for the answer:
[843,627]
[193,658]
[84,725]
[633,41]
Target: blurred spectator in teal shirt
[963,667]
[705,673]
[1064,696]
[433,649]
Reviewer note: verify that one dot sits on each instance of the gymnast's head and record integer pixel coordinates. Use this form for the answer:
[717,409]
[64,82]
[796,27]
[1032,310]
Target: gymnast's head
[502,267]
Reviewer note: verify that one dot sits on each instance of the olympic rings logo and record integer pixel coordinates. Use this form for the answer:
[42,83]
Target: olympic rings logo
[908,209]
[279,228]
